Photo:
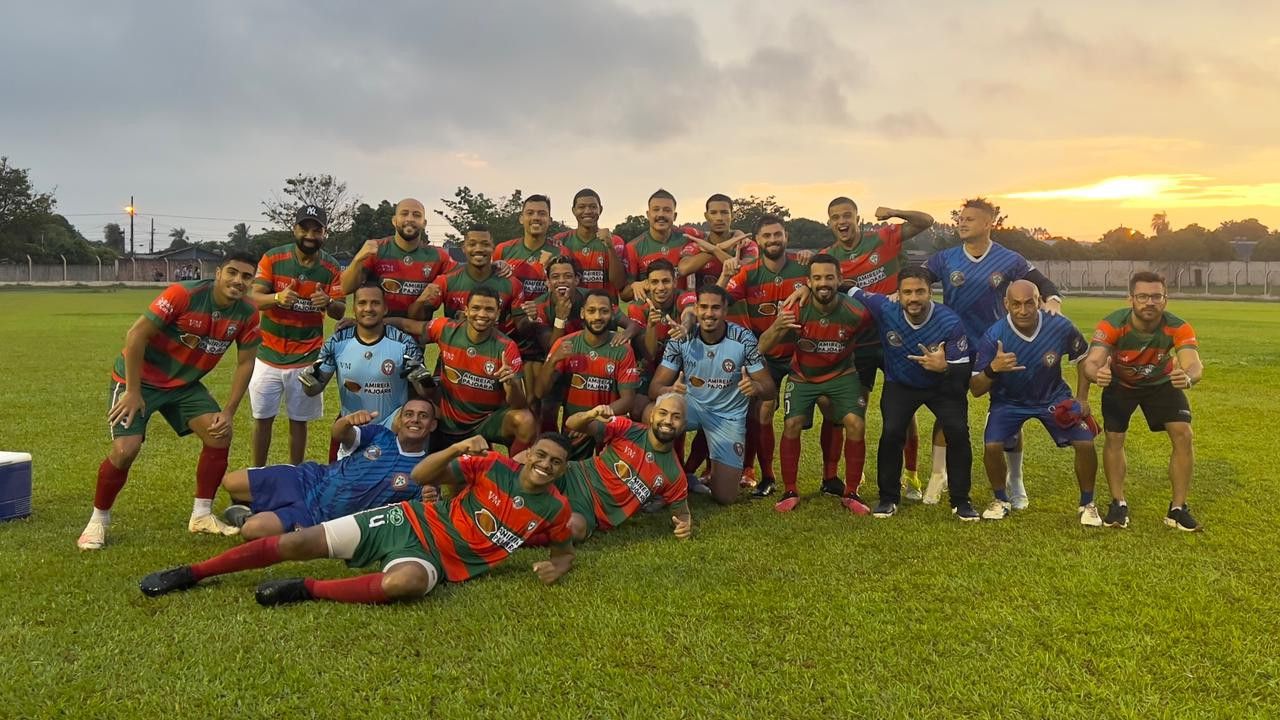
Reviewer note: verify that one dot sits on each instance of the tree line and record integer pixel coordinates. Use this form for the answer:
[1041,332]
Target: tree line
[30,226]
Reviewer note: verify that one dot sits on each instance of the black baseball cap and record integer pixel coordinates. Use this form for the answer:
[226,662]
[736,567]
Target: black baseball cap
[311,212]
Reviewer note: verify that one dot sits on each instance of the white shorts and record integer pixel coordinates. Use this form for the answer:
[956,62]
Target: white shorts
[270,382]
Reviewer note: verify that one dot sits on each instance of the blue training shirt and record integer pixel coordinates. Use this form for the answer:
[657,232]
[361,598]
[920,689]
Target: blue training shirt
[974,287]
[900,339]
[375,473]
[368,375]
[1040,384]
[712,371]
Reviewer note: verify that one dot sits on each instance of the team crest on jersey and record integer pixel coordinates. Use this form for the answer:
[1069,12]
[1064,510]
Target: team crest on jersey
[231,331]
[368,354]
[388,367]
[729,366]
[658,482]
[471,352]
[399,481]
[822,322]
[738,449]
[593,354]
[996,279]
[609,368]
[373,452]
[963,344]
[489,367]
[840,333]
[407,260]
[395,515]
[426,271]
[956,278]
[1050,358]
[518,502]
[532,524]
[894,338]
[874,258]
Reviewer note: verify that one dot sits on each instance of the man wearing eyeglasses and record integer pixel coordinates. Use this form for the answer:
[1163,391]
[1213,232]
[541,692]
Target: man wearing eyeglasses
[1146,357]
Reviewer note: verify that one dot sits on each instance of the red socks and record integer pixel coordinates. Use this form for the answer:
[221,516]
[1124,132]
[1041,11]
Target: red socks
[855,454]
[209,471]
[830,438]
[254,554]
[110,482]
[361,589]
[790,462]
[749,447]
[764,449]
[911,452]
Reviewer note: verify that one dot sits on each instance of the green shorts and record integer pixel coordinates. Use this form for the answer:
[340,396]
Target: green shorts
[387,535]
[844,393]
[178,406]
[577,490]
[490,429]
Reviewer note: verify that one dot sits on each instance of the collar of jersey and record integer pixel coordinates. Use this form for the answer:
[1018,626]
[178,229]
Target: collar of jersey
[1032,337]
[927,318]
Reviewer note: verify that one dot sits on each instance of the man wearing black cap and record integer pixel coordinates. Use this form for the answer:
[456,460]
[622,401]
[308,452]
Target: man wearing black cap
[294,288]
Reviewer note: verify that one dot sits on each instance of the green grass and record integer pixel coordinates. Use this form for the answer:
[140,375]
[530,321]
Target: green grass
[813,614]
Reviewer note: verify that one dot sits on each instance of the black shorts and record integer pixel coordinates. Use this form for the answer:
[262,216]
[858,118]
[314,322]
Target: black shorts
[866,366]
[1160,404]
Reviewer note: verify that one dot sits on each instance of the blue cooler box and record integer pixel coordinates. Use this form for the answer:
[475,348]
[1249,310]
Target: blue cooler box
[15,485]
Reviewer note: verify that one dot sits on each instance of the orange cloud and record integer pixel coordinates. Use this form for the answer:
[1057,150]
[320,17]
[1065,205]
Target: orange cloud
[1151,191]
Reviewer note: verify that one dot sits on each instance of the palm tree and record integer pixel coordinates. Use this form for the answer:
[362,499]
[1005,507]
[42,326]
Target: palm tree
[1160,223]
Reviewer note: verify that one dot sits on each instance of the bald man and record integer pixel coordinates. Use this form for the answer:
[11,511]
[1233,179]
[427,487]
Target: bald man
[1019,361]
[403,264]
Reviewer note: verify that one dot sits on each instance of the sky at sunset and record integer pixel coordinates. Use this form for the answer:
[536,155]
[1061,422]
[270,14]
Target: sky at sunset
[1077,118]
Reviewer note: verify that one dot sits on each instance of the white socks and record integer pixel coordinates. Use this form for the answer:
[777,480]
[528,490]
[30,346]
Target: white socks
[201,507]
[1014,460]
[102,516]
[939,460]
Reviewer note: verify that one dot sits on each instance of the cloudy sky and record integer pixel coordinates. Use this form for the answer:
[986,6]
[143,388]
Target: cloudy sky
[1074,117]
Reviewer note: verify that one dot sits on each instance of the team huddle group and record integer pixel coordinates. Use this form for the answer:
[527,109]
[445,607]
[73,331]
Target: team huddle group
[590,358]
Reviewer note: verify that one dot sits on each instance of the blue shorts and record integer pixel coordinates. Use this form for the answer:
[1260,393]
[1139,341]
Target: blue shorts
[281,489]
[726,436]
[1004,422]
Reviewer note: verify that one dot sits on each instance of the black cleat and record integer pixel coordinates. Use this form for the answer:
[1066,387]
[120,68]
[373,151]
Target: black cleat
[166,581]
[965,512]
[1117,516]
[764,488]
[885,509]
[1180,518]
[279,592]
[833,486]
[235,515]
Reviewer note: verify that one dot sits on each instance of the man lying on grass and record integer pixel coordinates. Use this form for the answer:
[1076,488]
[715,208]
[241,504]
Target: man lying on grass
[503,504]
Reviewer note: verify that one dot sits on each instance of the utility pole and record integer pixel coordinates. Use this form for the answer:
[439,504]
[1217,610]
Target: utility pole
[132,211]
[153,236]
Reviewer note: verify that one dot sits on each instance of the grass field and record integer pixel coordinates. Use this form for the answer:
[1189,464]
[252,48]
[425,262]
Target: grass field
[816,614]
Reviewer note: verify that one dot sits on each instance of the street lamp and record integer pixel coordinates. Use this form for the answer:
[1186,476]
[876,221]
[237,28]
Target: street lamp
[132,211]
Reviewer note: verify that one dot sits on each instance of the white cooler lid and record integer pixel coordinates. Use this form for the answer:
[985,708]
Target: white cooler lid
[13,458]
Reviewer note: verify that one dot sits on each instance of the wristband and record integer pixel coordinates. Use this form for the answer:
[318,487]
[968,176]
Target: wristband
[989,372]
[560,323]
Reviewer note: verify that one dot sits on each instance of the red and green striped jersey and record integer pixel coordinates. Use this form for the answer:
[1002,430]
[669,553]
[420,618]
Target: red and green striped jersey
[625,474]
[596,375]
[292,336]
[404,274]
[527,265]
[645,248]
[490,519]
[748,252]
[194,335]
[1141,359]
[758,293]
[458,284]
[639,312]
[824,346]
[873,263]
[470,392]
[544,313]
[593,260]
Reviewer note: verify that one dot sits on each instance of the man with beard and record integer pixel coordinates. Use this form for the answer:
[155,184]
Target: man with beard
[704,258]
[481,385]
[1019,361]
[661,240]
[871,260]
[661,316]
[403,264]
[926,362]
[180,338]
[822,335]
[416,543]
[600,372]
[374,471]
[375,363]
[295,286]
[759,290]
[528,256]
[974,277]
[1146,357]
[597,251]
[720,368]
[635,465]
[453,289]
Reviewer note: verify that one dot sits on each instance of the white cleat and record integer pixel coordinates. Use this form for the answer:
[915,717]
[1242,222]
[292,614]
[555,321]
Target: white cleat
[997,510]
[1089,516]
[210,525]
[911,486]
[1018,494]
[93,537]
[933,493]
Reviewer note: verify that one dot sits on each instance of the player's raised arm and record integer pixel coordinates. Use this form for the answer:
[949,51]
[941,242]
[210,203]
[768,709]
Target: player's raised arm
[353,274]
[590,422]
[434,469]
[916,221]
[784,327]
[415,328]
[1187,369]
[1097,365]
[550,370]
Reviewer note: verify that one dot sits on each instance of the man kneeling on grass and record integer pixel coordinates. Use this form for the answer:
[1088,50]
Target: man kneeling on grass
[502,506]
[376,471]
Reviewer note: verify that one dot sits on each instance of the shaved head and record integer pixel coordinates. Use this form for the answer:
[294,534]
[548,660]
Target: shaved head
[1022,302]
[1022,290]
[410,203]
